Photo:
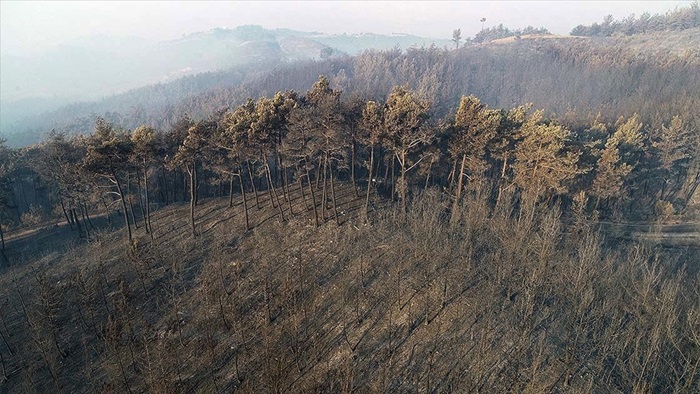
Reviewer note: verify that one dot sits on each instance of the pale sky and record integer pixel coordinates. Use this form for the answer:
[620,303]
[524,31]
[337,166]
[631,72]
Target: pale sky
[27,26]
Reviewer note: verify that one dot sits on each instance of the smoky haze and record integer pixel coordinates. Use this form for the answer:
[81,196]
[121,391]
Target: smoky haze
[35,26]
[55,53]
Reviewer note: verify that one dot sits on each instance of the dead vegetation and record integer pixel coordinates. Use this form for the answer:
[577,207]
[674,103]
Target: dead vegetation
[500,300]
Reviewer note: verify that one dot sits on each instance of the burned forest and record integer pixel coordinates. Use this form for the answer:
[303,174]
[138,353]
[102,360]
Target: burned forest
[520,213]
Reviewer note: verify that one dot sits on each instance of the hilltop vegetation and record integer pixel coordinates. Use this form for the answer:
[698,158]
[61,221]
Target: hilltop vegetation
[678,19]
[423,220]
[627,166]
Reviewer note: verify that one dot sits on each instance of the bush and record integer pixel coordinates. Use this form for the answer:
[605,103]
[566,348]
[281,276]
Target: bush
[35,216]
[664,210]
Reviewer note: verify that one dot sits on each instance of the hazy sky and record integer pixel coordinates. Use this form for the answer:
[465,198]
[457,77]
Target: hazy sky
[29,26]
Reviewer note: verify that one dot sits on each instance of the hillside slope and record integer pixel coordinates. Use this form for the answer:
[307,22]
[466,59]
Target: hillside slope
[403,303]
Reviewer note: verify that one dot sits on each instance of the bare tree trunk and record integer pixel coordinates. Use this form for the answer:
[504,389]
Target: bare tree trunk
[252,183]
[301,188]
[313,197]
[273,193]
[176,175]
[142,203]
[393,171]
[378,158]
[24,193]
[404,186]
[107,211]
[184,186]
[4,369]
[286,192]
[427,177]
[164,195]
[126,213]
[318,178]
[85,223]
[663,188]
[74,215]
[278,164]
[87,214]
[4,260]
[245,201]
[500,182]
[451,177]
[68,219]
[369,180]
[193,199]
[335,204]
[324,195]
[2,238]
[505,166]
[693,188]
[131,203]
[386,174]
[230,190]
[131,211]
[148,200]
[352,169]
[270,185]
[455,205]
[196,184]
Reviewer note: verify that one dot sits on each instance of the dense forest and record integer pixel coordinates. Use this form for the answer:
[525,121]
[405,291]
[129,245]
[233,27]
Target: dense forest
[423,220]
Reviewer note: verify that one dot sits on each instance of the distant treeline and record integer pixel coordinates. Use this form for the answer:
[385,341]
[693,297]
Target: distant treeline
[500,31]
[612,78]
[679,19]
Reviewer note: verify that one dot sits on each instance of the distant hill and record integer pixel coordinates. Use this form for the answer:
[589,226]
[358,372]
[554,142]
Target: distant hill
[654,75]
[95,67]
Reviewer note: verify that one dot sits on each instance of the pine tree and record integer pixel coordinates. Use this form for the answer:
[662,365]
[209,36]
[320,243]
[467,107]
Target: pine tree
[543,165]
[371,134]
[191,154]
[473,128]
[457,37]
[611,172]
[405,122]
[108,153]
[672,149]
[144,140]
[502,146]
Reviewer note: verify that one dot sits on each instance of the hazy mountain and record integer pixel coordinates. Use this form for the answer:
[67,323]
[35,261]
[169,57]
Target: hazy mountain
[94,67]
[612,75]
